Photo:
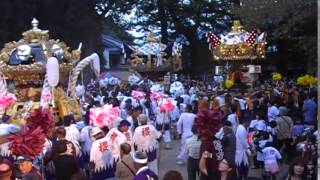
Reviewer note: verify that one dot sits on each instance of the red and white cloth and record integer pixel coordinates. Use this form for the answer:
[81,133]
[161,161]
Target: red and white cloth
[101,155]
[116,138]
[145,138]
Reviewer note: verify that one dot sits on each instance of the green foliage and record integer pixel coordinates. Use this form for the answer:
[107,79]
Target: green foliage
[294,21]
[168,18]
[115,30]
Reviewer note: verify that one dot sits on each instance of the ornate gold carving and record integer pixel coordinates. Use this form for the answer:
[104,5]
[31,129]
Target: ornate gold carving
[35,35]
[237,27]
[35,71]
[75,55]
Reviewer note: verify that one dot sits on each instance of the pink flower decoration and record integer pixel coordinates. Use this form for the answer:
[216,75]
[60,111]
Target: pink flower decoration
[46,95]
[156,96]
[138,95]
[166,105]
[104,116]
[7,100]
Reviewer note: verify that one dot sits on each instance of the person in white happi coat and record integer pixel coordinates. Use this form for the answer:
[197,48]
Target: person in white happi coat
[116,138]
[85,142]
[242,150]
[184,127]
[101,159]
[145,139]
[72,133]
[123,127]
[163,125]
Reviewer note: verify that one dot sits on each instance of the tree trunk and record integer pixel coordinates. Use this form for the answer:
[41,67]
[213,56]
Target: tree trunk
[163,21]
[201,60]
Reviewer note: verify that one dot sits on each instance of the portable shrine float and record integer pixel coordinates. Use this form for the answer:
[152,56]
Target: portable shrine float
[238,53]
[154,56]
[38,71]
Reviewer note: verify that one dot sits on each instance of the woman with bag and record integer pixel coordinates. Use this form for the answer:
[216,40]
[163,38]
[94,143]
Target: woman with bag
[125,169]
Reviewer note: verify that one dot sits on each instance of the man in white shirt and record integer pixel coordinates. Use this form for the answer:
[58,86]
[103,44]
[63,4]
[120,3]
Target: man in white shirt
[258,124]
[220,99]
[186,97]
[273,111]
[184,127]
[242,103]
[233,118]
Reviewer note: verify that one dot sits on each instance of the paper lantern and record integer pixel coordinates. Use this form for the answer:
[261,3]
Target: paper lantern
[95,63]
[53,71]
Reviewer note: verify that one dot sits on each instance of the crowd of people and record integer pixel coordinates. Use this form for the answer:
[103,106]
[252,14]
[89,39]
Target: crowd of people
[223,135]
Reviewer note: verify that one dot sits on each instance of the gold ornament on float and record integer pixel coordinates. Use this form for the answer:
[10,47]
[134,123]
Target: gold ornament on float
[24,61]
[237,44]
[23,65]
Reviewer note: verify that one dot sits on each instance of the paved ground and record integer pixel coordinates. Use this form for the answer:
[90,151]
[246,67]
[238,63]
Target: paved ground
[168,162]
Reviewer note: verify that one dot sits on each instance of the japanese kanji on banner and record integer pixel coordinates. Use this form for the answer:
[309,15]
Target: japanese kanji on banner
[145,138]
[101,155]
[116,138]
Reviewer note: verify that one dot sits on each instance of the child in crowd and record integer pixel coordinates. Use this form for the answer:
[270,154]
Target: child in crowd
[264,140]
[270,157]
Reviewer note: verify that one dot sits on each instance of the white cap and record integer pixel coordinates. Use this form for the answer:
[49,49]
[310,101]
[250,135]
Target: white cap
[140,157]
[95,131]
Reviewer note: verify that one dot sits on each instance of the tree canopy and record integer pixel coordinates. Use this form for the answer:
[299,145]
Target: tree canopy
[290,21]
[290,24]
[169,18]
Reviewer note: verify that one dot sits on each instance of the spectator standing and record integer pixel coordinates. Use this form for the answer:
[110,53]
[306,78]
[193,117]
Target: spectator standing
[64,163]
[271,156]
[242,150]
[125,169]
[141,165]
[193,150]
[284,131]
[184,126]
[310,111]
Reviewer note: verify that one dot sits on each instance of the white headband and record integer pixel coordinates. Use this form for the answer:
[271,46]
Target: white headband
[140,161]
